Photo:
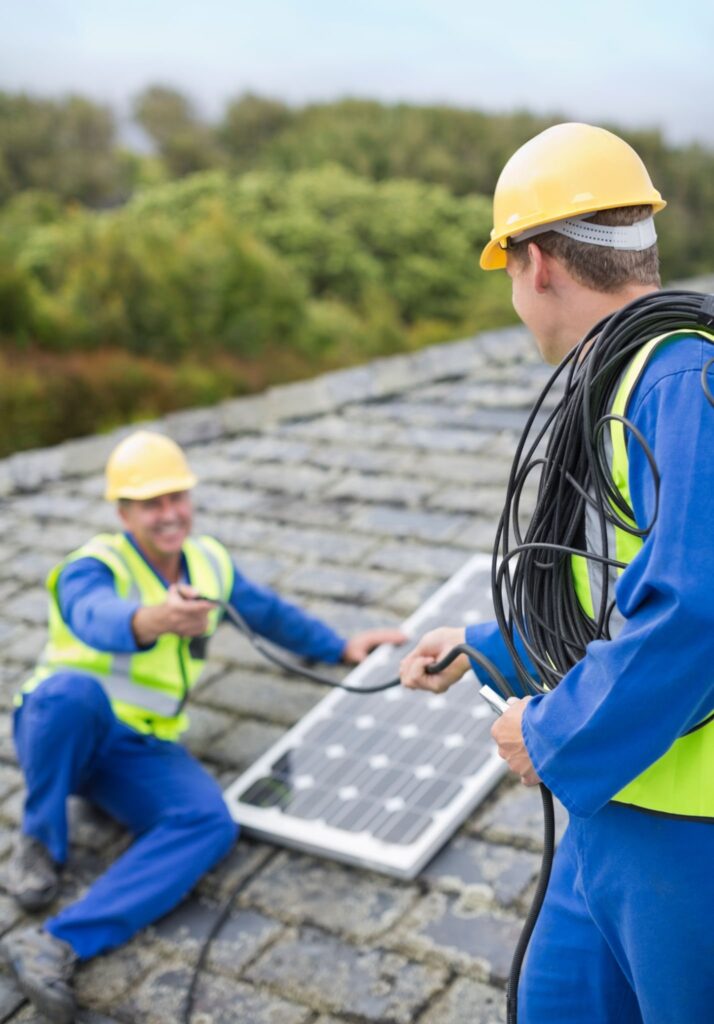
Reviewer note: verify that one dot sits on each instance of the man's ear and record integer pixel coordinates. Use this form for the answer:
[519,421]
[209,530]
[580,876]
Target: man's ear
[539,268]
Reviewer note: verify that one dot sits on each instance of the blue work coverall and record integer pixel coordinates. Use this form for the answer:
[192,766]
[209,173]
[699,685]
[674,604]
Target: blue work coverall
[626,933]
[69,741]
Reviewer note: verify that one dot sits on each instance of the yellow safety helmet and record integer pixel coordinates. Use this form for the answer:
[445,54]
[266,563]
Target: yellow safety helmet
[145,465]
[567,171]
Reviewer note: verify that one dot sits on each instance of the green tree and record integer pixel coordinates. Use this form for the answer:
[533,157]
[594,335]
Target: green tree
[184,142]
[248,125]
[67,147]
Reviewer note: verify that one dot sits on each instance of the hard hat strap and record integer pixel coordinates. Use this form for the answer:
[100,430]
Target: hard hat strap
[628,237]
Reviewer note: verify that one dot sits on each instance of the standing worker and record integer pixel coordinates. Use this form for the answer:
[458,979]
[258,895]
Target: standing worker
[621,728]
[102,714]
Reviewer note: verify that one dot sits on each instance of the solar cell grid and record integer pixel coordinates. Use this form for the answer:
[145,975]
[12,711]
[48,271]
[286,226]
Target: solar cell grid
[381,779]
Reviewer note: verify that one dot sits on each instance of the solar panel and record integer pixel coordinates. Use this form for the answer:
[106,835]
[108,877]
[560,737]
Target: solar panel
[381,780]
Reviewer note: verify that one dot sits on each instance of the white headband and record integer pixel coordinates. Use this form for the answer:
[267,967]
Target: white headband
[630,237]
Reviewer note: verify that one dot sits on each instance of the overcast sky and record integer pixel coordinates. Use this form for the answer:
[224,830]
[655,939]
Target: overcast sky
[624,61]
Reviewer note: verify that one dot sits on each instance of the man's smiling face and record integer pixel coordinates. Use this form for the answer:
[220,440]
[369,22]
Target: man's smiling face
[159,525]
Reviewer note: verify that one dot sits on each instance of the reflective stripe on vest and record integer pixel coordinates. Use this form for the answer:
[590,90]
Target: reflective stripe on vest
[679,783]
[147,689]
[120,688]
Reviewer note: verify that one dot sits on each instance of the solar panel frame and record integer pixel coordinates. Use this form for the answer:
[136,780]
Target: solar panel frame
[340,715]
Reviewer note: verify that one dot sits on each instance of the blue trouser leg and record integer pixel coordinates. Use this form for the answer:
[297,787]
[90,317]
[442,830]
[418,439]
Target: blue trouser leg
[59,730]
[161,793]
[625,934]
[648,882]
[570,974]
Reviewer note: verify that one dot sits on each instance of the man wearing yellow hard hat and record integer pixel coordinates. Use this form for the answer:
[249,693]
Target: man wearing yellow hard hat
[102,713]
[605,600]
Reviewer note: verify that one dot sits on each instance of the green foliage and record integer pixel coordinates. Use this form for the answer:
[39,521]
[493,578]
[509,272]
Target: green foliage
[183,141]
[66,147]
[249,124]
[685,177]
[274,244]
[463,150]
[15,301]
[288,273]
[45,399]
[347,237]
[218,264]
[157,287]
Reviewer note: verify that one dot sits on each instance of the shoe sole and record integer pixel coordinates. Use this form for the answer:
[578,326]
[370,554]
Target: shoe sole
[35,902]
[48,1007]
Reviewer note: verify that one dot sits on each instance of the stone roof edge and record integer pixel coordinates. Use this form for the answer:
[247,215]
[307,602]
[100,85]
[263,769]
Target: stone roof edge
[30,470]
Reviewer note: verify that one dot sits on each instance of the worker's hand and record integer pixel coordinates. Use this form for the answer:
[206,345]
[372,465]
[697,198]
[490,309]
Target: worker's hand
[182,613]
[432,648]
[508,734]
[361,644]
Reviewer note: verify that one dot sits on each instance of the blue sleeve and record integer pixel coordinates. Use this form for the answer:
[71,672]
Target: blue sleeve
[92,608]
[283,623]
[486,638]
[621,707]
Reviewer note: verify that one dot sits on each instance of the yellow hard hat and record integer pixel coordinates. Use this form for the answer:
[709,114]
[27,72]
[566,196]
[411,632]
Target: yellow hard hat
[145,465]
[566,171]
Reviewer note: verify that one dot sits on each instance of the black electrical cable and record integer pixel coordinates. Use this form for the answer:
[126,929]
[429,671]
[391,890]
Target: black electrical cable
[536,605]
[220,920]
[546,864]
[289,664]
[524,938]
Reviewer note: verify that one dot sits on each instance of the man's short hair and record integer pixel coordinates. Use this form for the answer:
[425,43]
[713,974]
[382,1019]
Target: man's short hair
[599,267]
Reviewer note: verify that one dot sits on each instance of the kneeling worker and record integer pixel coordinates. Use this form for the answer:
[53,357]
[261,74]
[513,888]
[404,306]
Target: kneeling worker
[102,713]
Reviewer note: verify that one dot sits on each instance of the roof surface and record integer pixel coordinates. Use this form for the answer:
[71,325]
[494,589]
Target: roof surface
[356,495]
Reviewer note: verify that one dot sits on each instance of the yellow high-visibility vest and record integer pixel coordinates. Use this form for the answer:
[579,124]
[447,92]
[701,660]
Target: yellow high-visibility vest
[681,782]
[148,689]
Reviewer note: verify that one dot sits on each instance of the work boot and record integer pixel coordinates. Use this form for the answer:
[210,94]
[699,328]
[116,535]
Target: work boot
[43,967]
[32,875]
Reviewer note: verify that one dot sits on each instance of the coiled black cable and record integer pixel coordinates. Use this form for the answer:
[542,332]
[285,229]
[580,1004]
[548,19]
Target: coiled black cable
[532,581]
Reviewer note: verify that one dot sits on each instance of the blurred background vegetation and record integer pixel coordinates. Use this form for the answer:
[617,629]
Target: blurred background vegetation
[271,245]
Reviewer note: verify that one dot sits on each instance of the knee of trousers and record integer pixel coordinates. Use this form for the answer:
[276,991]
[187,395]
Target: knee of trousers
[72,696]
[214,822]
[224,827]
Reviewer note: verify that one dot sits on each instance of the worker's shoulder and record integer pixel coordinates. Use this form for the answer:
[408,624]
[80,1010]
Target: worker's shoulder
[99,551]
[672,362]
[686,351]
[208,541]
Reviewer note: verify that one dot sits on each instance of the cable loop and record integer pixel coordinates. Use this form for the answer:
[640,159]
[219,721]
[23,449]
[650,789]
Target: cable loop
[533,586]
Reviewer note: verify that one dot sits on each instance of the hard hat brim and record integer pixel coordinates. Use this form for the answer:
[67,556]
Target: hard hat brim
[153,488]
[493,255]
